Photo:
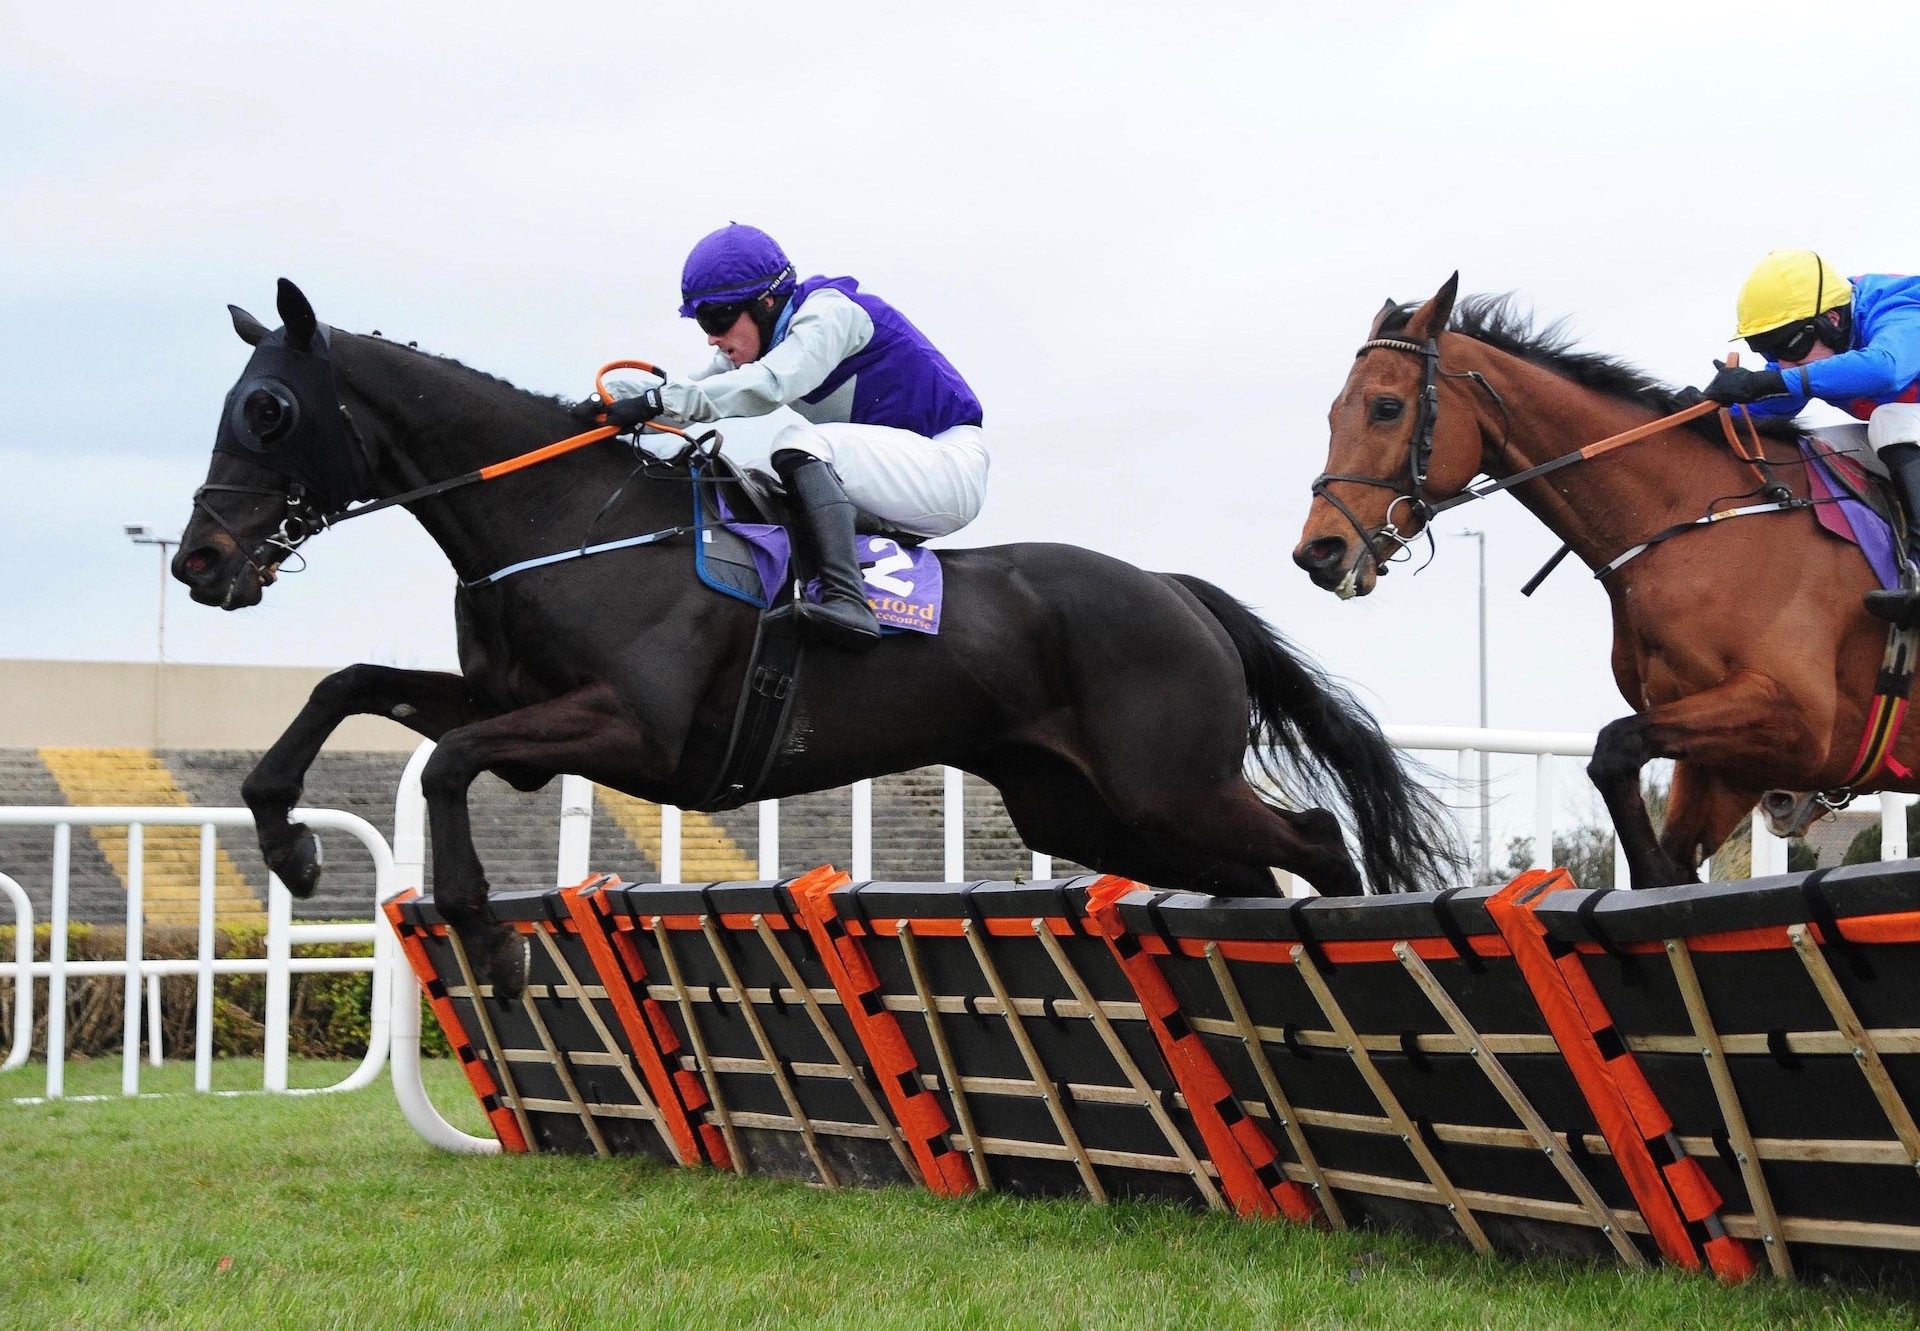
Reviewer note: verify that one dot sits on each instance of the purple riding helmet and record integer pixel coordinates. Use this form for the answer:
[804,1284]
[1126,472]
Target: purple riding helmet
[736,263]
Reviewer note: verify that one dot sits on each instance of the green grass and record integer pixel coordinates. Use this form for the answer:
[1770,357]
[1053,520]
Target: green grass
[327,1211]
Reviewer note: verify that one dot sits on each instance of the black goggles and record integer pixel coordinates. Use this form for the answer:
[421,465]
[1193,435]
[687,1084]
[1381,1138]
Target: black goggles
[715,319]
[1792,343]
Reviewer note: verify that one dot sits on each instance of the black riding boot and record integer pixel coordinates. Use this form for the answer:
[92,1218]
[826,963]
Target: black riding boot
[823,520]
[1901,608]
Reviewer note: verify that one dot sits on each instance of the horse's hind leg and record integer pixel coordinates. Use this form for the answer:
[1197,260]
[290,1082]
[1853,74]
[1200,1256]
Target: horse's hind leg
[426,701]
[1232,822]
[1745,723]
[585,731]
[1057,812]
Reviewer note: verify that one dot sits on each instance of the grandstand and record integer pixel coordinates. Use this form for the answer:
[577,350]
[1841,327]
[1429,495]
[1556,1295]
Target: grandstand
[108,733]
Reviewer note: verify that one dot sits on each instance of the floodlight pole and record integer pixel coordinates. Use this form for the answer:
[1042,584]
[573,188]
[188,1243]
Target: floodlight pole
[142,534]
[1485,857]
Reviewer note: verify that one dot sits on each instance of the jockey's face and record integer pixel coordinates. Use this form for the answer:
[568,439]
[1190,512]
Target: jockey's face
[740,344]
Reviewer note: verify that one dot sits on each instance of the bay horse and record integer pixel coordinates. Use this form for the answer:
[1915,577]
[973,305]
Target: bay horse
[1113,708]
[1741,645]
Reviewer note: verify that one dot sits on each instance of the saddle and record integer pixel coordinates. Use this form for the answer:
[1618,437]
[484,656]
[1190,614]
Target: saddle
[741,494]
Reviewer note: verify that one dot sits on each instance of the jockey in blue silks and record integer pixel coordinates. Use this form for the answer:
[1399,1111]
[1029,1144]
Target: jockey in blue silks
[1854,344]
[890,430]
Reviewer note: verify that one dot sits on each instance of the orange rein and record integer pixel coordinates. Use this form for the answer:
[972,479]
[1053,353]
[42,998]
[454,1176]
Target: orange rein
[593,436]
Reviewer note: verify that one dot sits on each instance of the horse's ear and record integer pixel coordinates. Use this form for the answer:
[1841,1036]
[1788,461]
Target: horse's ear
[296,313]
[1430,320]
[1380,319]
[251,330]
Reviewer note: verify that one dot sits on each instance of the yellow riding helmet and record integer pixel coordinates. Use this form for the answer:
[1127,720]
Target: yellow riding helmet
[1787,287]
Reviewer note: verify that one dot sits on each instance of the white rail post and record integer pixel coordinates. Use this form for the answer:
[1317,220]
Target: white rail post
[1042,867]
[136,922]
[770,840]
[203,995]
[156,1027]
[955,820]
[1542,814]
[1893,826]
[22,1046]
[1622,874]
[862,830]
[670,857]
[1769,853]
[57,964]
[576,830]
[279,981]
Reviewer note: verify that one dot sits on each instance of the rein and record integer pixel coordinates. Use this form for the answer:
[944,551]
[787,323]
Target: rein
[304,519]
[1410,483]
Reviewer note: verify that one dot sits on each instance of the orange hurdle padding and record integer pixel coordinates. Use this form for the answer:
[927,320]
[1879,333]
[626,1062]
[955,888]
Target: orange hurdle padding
[1680,1204]
[916,1109]
[1250,1170]
[624,973]
[505,1126]
[624,979]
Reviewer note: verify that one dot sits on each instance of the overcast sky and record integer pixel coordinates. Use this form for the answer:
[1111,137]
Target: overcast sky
[1149,235]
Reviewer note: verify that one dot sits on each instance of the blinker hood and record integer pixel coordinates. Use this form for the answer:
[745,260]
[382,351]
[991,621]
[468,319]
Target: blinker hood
[285,414]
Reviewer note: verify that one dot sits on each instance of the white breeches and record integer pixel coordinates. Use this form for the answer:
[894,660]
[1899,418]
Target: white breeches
[904,481]
[1894,423]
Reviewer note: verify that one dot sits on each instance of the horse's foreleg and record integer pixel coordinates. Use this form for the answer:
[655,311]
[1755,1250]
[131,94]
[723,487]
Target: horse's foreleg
[1745,723]
[1702,812]
[585,731]
[426,701]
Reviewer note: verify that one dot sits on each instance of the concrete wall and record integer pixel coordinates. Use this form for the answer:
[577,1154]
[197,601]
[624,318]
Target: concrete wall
[178,706]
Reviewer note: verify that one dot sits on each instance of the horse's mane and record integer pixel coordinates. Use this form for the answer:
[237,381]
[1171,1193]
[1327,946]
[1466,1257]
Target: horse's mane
[1502,322]
[477,378]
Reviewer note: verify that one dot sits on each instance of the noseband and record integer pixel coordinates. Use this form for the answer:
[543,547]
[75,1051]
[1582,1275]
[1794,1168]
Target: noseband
[1409,484]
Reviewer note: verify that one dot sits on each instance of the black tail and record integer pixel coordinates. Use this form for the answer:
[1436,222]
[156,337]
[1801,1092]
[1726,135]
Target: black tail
[1314,741]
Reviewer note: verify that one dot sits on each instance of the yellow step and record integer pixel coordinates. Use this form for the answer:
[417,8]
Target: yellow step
[707,853]
[170,856]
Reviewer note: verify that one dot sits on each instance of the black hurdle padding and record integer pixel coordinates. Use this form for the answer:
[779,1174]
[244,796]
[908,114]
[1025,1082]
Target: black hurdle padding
[1042,1104]
[1476,1131]
[1823,1119]
[790,1086]
[592,1099]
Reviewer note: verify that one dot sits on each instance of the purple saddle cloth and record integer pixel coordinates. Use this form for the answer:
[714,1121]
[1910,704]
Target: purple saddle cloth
[1838,478]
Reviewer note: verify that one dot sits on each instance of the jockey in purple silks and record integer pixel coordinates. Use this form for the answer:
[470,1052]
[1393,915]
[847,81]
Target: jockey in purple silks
[891,432]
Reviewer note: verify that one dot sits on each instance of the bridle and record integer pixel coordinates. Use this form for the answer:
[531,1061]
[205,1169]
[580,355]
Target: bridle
[307,515]
[1409,484]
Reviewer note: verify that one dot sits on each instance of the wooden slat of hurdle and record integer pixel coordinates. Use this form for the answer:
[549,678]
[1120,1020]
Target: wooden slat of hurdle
[625,1065]
[1863,1050]
[768,1052]
[1257,1052]
[1131,1070]
[1536,1126]
[1731,1110]
[1409,1132]
[838,1049]
[564,1071]
[943,1052]
[699,1042]
[503,1070]
[1038,1069]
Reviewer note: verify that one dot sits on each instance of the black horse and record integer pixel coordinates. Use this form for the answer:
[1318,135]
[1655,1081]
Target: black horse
[1113,708]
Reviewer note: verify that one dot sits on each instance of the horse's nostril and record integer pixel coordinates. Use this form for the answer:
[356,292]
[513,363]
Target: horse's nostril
[1325,550]
[197,562]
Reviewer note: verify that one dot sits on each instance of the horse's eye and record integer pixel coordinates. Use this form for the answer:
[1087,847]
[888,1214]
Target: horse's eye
[1386,409]
[268,414]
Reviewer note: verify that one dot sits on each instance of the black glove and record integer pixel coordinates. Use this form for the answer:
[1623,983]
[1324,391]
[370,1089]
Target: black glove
[589,411]
[628,412]
[1735,385]
[1688,397]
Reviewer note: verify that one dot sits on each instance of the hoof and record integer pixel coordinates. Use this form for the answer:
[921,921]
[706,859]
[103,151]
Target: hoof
[503,963]
[300,863]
